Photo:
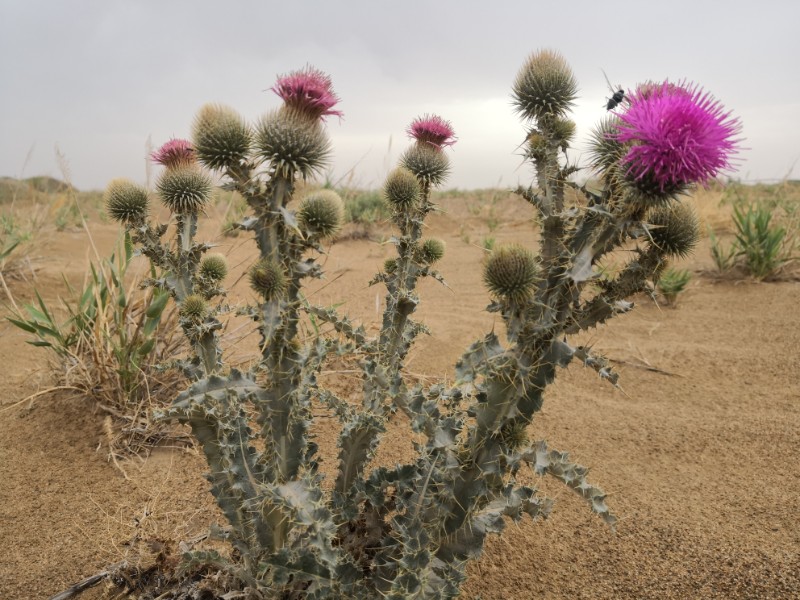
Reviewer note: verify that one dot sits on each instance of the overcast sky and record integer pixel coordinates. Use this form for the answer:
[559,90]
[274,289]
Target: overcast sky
[97,79]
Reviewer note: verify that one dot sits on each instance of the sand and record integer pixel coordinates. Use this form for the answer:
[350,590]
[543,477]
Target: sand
[699,449]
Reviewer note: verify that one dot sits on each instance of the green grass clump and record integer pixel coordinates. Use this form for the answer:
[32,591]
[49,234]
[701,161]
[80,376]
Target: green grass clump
[763,247]
[672,283]
[364,207]
[112,339]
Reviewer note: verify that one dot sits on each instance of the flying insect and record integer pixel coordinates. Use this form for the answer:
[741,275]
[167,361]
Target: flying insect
[617,96]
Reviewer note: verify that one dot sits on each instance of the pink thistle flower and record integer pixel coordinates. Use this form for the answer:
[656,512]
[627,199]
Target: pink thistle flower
[309,91]
[679,135]
[174,153]
[433,130]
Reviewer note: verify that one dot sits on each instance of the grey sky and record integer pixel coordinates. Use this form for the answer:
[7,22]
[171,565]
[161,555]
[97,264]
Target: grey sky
[97,78]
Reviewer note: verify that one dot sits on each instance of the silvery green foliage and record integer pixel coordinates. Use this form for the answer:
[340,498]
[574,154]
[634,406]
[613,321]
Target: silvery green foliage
[405,531]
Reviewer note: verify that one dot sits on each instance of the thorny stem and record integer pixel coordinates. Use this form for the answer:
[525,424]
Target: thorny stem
[186,228]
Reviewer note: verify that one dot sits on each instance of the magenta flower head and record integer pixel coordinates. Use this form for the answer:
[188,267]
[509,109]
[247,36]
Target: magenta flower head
[679,135]
[308,91]
[174,154]
[432,130]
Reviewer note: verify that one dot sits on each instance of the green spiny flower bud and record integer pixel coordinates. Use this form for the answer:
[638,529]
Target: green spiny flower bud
[429,164]
[401,189]
[214,267]
[537,145]
[431,251]
[185,189]
[268,279]
[294,145]
[561,130]
[515,434]
[194,308]
[674,229]
[605,151]
[545,85]
[221,137]
[321,214]
[126,202]
[511,272]
[390,265]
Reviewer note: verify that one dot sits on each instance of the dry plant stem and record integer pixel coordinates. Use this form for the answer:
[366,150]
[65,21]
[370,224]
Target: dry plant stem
[89,582]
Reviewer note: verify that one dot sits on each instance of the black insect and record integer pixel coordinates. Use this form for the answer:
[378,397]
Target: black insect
[617,95]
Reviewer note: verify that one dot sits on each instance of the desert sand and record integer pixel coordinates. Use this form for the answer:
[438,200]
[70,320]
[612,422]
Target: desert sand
[699,449]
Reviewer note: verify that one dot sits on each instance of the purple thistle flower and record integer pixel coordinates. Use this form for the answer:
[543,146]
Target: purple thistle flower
[679,135]
[174,153]
[309,91]
[433,130]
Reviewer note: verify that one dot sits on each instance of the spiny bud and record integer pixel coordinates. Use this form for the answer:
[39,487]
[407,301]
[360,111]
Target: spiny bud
[194,308]
[126,202]
[537,145]
[511,272]
[401,189]
[390,265]
[221,137]
[214,267]
[605,151]
[545,85]
[321,214]
[292,143]
[561,131]
[674,229]
[427,163]
[185,189]
[514,434]
[431,251]
[267,278]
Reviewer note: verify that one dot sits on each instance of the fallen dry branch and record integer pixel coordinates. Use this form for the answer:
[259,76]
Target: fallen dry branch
[87,583]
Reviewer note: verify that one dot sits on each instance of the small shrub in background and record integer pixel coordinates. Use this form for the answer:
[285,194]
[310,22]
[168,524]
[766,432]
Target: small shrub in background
[364,207]
[10,238]
[762,246]
[724,259]
[673,282]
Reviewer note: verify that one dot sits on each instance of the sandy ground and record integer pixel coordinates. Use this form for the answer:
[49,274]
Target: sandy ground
[701,455]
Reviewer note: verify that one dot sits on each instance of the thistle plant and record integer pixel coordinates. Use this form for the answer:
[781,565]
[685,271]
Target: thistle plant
[408,530]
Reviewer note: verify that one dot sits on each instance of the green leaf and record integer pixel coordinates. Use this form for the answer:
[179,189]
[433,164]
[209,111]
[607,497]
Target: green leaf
[157,305]
[24,325]
[147,347]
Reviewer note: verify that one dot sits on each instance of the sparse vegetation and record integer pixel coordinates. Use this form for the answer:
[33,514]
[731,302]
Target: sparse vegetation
[364,207]
[673,282]
[765,225]
[763,247]
[112,345]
